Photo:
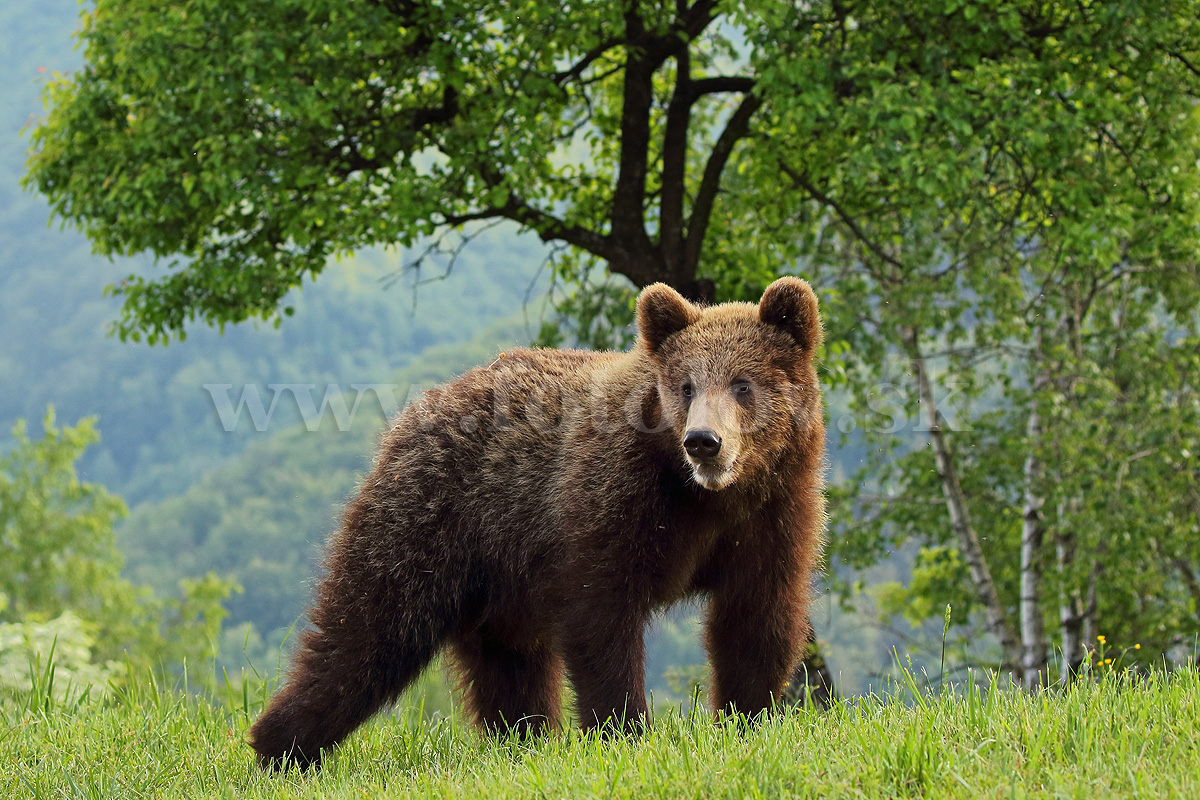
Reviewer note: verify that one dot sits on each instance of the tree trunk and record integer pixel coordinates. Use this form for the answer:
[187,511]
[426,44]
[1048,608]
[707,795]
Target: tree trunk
[1077,617]
[1033,632]
[1071,611]
[1189,578]
[1070,605]
[956,505]
[1089,610]
[700,290]
[811,681]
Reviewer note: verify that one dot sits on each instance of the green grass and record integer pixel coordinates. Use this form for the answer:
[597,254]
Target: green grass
[1111,738]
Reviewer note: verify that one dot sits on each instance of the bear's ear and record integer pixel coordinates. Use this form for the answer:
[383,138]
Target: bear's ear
[662,311]
[791,305]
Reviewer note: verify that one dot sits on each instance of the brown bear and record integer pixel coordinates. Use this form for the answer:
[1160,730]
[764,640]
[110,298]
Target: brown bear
[531,515]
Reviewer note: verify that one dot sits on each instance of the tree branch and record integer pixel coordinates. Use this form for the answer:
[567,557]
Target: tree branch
[710,183]
[721,83]
[804,183]
[1182,59]
[547,226]
[423,117]
[697,18]
[674,155]
[589,58]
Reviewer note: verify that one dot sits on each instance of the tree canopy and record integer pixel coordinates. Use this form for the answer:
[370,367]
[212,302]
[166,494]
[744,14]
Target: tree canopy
[248,142]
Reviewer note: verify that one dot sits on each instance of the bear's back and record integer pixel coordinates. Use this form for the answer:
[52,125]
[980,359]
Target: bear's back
[487,445]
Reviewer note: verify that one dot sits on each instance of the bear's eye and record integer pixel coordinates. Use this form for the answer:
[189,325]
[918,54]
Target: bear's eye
[741,387]
[687,390]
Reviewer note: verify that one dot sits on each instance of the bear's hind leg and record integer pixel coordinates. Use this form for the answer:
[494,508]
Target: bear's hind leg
[373,632]
[510,688]
[341,675]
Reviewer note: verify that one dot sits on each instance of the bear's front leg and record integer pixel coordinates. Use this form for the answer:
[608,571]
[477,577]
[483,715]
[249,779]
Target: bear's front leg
[604,647]
[755,631]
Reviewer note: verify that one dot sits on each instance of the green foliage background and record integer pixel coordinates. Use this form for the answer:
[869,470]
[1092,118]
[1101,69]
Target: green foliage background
[63,601]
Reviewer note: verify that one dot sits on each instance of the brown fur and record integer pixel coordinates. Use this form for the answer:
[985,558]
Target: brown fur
[532,514]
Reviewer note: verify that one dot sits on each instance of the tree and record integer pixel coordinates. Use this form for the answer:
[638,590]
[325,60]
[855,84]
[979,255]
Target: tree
[257,140]
[1098,537]
[57,545]
[1032,269]
[60,570]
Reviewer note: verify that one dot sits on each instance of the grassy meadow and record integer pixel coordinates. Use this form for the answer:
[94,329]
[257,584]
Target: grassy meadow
[1111,737]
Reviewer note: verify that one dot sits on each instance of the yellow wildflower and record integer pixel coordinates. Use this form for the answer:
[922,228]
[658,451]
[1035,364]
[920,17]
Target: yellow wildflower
[1101,639]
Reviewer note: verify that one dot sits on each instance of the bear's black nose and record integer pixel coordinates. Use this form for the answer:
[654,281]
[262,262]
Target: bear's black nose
[702,444]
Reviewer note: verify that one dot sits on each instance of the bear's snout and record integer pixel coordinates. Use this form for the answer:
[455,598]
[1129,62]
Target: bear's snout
[702,444]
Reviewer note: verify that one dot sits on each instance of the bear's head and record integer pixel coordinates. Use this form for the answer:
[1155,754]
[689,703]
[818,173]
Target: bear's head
[736,381]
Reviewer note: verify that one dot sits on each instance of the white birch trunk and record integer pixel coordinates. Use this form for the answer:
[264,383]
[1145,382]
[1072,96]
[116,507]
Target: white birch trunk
[1033,634]
[1089,611]
[1070,605]
[956,505]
